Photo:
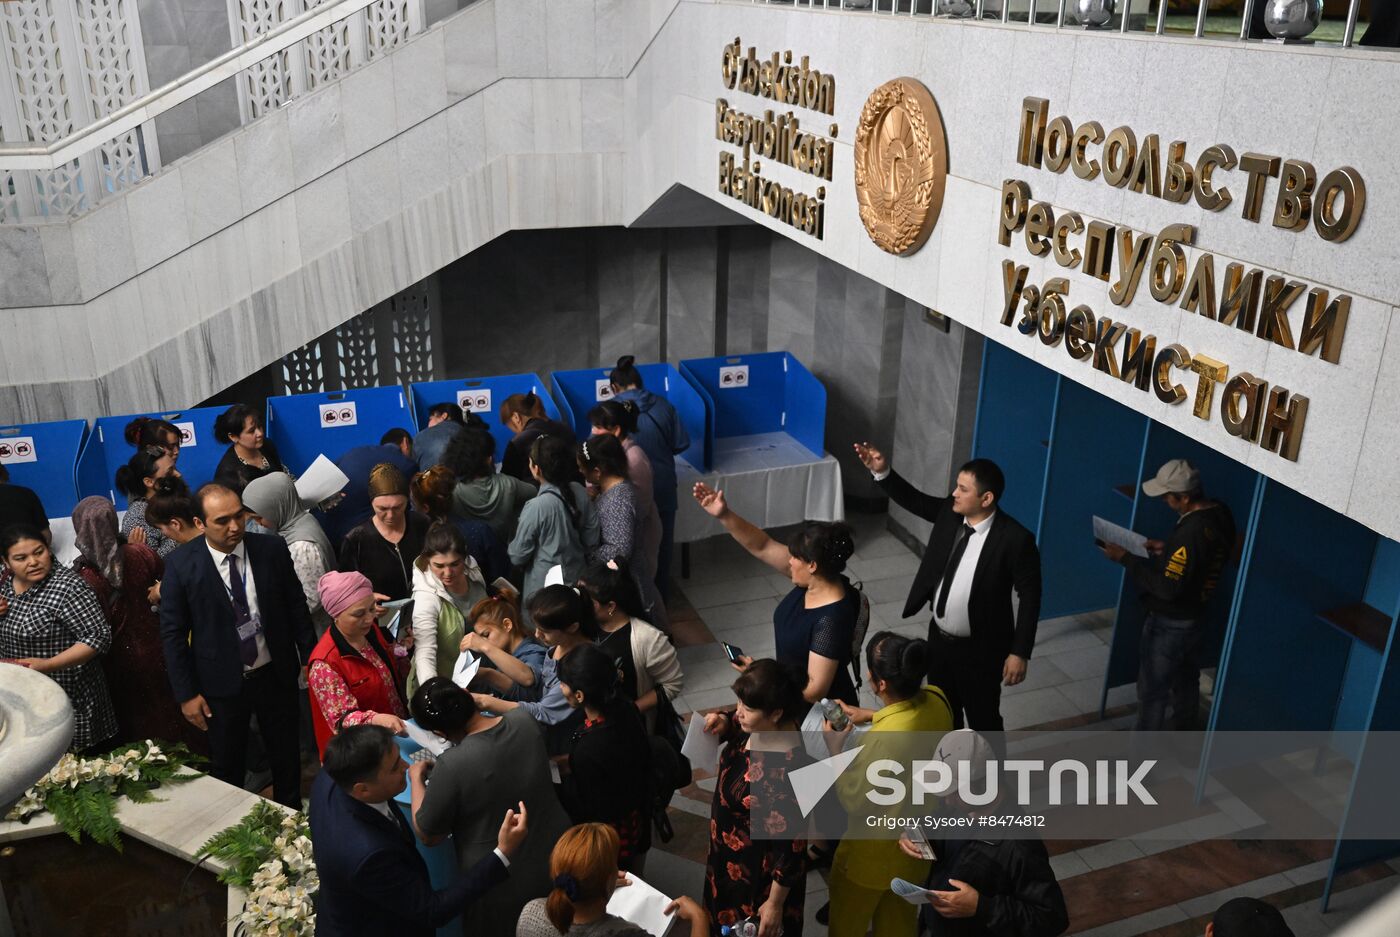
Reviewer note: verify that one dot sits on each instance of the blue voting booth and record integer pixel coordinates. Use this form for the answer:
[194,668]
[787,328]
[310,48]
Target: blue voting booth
[303,426]
[44,458]
[482,396]
[580,391]
[107,450]
[751,395]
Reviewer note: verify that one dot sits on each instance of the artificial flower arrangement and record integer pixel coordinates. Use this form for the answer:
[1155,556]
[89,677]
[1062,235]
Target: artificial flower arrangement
[268,855]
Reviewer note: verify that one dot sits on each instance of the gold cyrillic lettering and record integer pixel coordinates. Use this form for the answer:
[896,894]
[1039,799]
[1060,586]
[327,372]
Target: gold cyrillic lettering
[1324,325]
[1209,372]
[1239,297]
[1058,136]
[1239,405]
[1098,250]
[1169,262]
[1177,187]
[1132,258]
[1079,332]
[1293,207]
[1346,182]
[1207,196]
[1259,167]
[1119,154]
[1104,357]
[1200,290]
[1039,223]
[1147,170]
[1013,281]
[1279,295]
[1028,147]
[1172,356]
[1138,353]
[1030,311]
[1065,255]
[1014,198]
[1087,133]
[1051,321]
[1283,423]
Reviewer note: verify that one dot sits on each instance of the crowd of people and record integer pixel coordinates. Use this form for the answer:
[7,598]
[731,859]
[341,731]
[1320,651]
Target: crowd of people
[206,612]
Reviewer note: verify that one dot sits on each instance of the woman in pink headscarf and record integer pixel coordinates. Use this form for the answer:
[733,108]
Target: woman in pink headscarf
[355,676]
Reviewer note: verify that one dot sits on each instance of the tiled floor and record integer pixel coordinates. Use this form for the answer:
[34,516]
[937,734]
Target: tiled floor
[1121,888]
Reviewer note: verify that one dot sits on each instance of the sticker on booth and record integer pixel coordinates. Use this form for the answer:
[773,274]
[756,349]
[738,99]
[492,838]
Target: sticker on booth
[733,377]
[602,390]
[17,449]
[187,436]
[475,401]
[338,414]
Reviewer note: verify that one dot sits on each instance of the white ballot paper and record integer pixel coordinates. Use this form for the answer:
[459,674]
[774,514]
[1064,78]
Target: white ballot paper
[700,747]
[914,894]
[435,744]
[466,668]
[642,905]
[1109,532]
[320,480]
[555,576]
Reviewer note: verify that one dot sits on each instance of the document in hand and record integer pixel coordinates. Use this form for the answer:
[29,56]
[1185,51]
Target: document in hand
[914,894]
[435,744]
[1109,532]
[555,576]
[642,905]
[700,747]
[320,480]
[466,668]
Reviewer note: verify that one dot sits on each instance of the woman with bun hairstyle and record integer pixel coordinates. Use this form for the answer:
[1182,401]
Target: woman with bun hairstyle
[496,632]
[558,527]
[242,428]
[524,415]
[758,874]
[493,764]
[584,874]
[564,622]
[148,472]
[662,436]
[606,774]
[621,523]
[647,660]
[863,866]
[618,418]
[148,432]
[815,623]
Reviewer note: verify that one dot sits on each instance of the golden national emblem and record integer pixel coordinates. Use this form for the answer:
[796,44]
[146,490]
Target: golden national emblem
[901,165]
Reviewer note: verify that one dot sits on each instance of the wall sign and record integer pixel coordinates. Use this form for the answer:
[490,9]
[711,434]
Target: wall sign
[901,164]
[187,436]
[734,376]
[17,449]
[602,389]
[338,414]
[475,401]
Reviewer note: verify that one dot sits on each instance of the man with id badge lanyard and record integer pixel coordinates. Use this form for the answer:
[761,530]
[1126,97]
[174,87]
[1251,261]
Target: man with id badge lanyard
[236,633]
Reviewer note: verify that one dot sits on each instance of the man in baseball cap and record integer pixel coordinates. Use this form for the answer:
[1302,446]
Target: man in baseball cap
[1177,578]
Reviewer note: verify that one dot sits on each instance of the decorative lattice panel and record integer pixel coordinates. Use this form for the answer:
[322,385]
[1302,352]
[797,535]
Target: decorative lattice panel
[356,352]
[388,23]
[302,372]
[328,53]
[268,84]
[412,326]
[112,70]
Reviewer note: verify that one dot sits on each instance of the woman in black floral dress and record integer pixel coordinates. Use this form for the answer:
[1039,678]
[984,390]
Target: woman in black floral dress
[759,874]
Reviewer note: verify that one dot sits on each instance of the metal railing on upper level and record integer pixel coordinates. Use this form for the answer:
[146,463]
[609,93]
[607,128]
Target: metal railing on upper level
[62,157]
[1060,13]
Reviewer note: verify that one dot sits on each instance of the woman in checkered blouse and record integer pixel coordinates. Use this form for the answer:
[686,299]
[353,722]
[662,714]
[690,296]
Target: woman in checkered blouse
[50,621]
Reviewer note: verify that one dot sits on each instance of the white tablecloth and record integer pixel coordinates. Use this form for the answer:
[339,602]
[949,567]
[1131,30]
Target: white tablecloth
[769,478]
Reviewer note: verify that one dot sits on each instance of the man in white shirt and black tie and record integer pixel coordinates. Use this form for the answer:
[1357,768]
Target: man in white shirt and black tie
[980,576]
[236,634]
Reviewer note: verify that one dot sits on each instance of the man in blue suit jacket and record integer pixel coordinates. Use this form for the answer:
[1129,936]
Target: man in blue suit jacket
[373,880]
[237,634]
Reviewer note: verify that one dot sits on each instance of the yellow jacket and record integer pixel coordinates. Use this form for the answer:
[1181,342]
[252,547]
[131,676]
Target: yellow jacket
[862,858]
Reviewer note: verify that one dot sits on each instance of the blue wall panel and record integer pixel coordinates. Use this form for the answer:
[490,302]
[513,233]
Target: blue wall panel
[107,450]
[482,396]
[43,457]
[1014,412]
[303,426]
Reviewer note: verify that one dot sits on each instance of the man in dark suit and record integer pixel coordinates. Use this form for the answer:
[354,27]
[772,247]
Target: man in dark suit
[373,881]
[981,577]
[237,633]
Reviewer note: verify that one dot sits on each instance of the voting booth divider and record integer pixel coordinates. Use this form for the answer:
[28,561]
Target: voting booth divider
[482,396]
[44,458]
[303,426]
[107,450]
[759,395]
[580,391]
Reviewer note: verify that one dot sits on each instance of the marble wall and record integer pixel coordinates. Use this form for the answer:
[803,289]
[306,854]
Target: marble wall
[179,35]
